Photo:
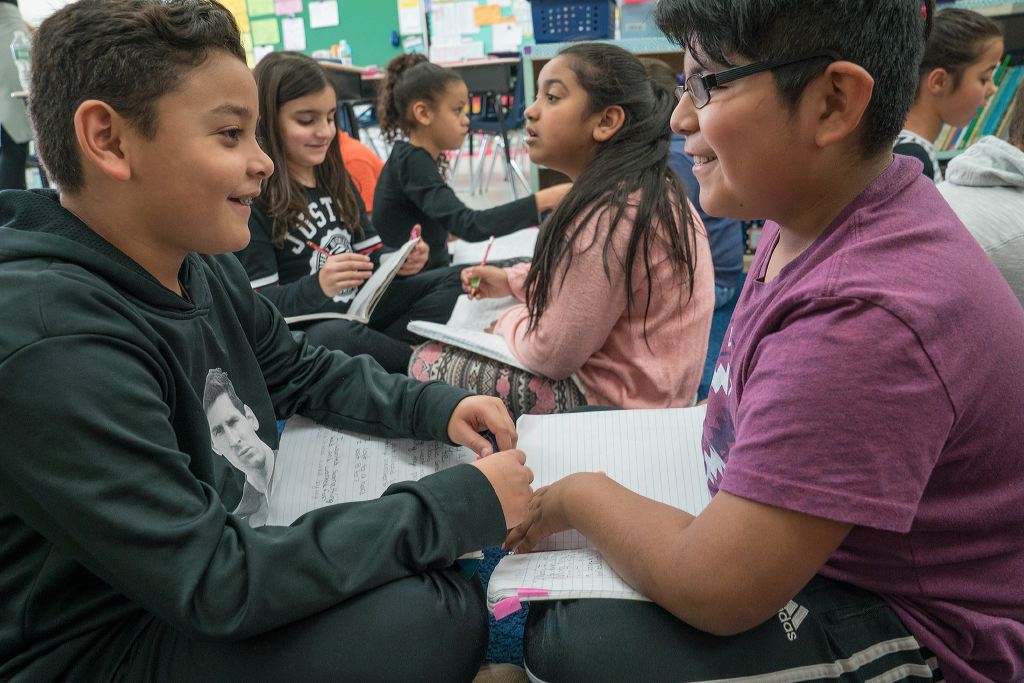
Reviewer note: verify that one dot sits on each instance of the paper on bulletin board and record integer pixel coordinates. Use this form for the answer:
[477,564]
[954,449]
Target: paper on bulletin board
[258,8]
[485,15]
[261,51]
[465,14]
[444,22]
[323,14]
[506,37]
[265,31]
[471,49]
[285,8]
[294,33]
[409,17]
[247,47]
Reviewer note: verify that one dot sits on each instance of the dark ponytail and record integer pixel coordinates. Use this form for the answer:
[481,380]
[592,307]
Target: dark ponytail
[408,79]
[634,160]
[957,39]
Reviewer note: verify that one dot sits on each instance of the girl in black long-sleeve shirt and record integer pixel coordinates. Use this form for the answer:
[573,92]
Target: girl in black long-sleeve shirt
[427,103]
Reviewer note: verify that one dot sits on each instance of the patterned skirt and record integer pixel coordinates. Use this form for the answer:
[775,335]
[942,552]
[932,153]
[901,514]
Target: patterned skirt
[522,392]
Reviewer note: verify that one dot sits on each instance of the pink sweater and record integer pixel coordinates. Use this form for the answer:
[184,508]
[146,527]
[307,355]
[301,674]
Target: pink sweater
[585,328]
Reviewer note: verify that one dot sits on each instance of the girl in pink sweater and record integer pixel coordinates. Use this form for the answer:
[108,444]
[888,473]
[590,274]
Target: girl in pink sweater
[617,302]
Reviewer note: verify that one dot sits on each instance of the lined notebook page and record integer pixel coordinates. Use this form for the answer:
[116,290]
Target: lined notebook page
[564,574]
[655,453]
[483,343]
[478,314]
[318,466]
[517,244]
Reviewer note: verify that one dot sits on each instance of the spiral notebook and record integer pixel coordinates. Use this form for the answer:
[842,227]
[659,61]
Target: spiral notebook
[655,453]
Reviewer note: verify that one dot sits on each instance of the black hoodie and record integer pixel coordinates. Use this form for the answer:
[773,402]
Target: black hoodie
[114,509]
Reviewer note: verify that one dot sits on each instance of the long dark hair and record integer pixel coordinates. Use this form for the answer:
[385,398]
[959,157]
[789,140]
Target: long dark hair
[634,160]
[410,78]
[282,77]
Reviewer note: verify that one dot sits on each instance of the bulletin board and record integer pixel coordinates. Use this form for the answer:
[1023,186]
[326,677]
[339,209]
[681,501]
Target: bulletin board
[308,25]
[466,29]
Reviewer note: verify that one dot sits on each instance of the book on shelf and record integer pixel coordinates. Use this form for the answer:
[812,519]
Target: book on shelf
[656,453]
[370,292]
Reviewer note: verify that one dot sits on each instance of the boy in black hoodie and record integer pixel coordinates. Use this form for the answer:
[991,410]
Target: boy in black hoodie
[121,558]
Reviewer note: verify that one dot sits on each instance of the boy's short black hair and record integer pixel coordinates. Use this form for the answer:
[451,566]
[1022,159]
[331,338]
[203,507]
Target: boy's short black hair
[885,37]
[127,53]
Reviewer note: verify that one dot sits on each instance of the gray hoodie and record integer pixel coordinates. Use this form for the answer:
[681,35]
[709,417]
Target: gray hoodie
[985,186]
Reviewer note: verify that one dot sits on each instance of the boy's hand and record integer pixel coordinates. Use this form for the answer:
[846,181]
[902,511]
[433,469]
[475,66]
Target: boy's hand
[416,260]
[493,282]
[344,271]
[508,474]
[477,414]
[547,513]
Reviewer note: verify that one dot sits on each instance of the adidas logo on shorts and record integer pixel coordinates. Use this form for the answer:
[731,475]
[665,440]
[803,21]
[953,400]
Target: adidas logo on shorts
[791,616]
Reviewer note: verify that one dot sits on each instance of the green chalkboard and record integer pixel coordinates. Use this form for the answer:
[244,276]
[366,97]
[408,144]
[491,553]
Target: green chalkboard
[365,24]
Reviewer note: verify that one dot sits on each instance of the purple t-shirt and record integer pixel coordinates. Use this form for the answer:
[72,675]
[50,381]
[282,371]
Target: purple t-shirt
[878,380]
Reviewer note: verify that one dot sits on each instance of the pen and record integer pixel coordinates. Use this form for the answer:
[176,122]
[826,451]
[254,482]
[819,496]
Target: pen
[315,247]
[475,282]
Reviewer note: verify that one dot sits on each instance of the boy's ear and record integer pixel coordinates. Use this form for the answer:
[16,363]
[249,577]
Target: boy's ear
[422,112]
[609,123]
[841,96]
[100,132]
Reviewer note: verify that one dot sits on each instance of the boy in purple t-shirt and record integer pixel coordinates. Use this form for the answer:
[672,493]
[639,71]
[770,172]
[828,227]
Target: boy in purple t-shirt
[864,437]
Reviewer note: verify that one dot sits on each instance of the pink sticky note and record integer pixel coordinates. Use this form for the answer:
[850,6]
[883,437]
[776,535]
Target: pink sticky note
[506,607]
[286,7]
[532,593]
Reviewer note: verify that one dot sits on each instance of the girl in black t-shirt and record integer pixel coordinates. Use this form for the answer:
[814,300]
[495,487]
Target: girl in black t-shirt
[313,244]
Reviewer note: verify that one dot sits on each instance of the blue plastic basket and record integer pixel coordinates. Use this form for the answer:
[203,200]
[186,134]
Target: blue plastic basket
[556,21]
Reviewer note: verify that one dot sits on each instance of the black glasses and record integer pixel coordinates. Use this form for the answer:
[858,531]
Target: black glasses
[699,86]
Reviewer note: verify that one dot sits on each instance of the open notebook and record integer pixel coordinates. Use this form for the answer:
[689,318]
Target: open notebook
[516,245]
[318,466]
[465,329]
[653,452]
[370,292]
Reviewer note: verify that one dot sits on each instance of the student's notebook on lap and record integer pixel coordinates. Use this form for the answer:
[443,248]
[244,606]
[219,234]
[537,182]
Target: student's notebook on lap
[465,329]
[318,466]
[519,244]
[655,453]
[369,293]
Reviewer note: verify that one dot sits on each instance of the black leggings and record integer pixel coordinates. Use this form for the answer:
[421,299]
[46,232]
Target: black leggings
[13,156]
[429,295]
[427,627]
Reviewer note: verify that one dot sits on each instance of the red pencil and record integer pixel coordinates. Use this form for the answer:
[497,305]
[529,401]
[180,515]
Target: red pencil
[315,247]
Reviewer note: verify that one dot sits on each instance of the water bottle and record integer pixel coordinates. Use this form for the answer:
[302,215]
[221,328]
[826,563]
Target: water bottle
[21,48]
[344,52]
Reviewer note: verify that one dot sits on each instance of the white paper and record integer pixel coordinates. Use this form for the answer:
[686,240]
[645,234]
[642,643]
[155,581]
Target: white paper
[294,33]
[563,574]
[518,244]
[506,37]
[478,314]
[323,13]
[457,52]
[261,51]
[409,20]
[318,466]
[483,343]
[466,17]
[655,453]
[444,24]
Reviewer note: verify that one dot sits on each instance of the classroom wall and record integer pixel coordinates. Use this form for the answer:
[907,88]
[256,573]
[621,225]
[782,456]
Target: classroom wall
[34,11]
